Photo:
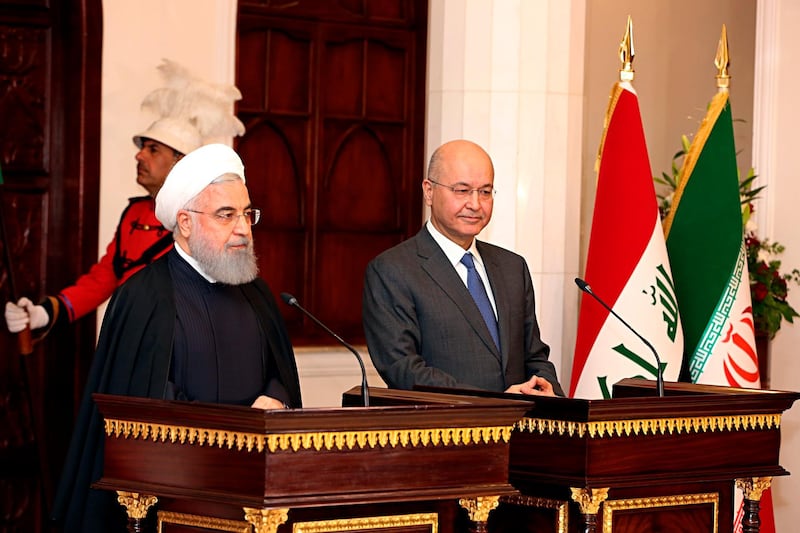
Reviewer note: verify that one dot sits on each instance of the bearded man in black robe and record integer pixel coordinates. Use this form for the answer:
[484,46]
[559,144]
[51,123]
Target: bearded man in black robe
[196,325]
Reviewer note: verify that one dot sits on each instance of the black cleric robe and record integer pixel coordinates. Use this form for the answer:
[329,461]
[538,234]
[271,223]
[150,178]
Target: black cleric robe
[134,357]
[214,342]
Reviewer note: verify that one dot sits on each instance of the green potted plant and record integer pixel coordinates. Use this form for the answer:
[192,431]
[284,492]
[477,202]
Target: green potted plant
[768,287]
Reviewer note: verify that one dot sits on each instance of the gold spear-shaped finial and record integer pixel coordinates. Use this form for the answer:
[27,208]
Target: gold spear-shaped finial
[722,61]
[626,53]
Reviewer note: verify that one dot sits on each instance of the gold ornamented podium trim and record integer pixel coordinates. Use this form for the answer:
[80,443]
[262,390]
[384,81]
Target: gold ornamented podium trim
[589,500]
[611,506]
[265,520]
[650,426]
[479,508]
[136,504]
[202,522]
[367,523]
[753,487]
[328,440]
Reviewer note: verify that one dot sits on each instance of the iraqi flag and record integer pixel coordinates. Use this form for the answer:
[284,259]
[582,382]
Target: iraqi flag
[705,241]
[627,265]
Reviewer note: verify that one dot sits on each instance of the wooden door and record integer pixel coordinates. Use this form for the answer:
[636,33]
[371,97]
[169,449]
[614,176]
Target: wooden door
[333,101]
[50,53]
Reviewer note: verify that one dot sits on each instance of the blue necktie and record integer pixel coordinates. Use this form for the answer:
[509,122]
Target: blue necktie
[478,292]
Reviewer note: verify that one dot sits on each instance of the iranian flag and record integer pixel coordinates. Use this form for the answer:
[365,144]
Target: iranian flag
[705,242]
[627,265]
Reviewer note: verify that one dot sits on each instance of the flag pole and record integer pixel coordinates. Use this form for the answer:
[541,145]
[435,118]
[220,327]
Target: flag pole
[723,62]
[626,53]
[626,73]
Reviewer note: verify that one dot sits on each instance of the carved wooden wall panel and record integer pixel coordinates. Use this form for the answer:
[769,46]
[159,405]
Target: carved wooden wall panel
[333,102]
[22,97]
[49,155]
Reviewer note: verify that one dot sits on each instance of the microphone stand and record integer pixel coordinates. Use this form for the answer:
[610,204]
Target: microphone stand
[582,285]
[291,300]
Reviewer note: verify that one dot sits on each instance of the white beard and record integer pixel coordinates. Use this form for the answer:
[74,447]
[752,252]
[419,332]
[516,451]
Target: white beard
[230,267]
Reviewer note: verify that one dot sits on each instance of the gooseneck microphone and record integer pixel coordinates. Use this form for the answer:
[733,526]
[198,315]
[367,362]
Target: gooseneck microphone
[291,300]
[582,285]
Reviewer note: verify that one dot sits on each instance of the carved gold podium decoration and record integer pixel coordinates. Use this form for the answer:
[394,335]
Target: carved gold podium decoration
[166,518]
[328,440]
[753,487]
[136,505]
[480,507]
[589,500]
[650,426]
[265,520]
[368,523]
[680,500]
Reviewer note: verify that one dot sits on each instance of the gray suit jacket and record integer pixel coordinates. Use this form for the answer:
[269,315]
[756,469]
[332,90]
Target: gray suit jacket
[423,328]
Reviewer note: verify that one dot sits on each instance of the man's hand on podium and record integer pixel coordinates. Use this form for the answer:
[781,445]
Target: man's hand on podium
[535,386]
[266,402]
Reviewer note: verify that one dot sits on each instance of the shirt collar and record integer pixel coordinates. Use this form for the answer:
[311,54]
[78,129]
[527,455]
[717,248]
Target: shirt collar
[453,251]
[193,263]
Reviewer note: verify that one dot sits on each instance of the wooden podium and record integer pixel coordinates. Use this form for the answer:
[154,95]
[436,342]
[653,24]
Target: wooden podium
[637,462]
[412,468]
[414,461]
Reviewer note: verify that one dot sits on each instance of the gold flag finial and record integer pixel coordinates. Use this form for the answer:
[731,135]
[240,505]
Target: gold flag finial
[626,53]
[723,61]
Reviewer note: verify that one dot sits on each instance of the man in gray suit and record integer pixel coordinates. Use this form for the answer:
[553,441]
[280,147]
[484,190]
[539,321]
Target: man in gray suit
[444,309]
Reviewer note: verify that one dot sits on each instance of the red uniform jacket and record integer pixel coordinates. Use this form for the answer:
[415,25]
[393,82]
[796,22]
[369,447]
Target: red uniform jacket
[140,239]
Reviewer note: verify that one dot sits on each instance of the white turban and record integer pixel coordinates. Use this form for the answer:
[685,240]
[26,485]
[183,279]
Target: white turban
[193,173]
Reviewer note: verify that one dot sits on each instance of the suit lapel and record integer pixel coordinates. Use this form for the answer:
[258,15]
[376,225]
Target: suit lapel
[435,263]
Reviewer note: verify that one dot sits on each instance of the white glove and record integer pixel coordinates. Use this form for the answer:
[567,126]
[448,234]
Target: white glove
[24,312]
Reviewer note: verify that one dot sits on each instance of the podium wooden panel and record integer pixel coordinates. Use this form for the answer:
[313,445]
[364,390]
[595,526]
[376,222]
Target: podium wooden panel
[636,462]
[229,468]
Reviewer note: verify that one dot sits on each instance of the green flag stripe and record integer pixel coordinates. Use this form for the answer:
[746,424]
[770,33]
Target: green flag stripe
[704,231]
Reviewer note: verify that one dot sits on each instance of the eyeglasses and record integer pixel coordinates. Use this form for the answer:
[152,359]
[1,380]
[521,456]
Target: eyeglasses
[459,191]
[226,217]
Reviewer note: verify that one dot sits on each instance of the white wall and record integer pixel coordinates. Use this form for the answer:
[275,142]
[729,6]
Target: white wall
[775,146]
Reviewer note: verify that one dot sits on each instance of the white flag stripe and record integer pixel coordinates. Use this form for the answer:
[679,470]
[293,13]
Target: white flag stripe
[723,343]
[639,305]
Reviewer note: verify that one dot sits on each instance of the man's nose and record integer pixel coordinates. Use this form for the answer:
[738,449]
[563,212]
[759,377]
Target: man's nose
[242,226]
[474,198]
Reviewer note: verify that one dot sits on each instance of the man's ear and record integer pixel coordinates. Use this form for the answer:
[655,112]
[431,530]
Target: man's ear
[427,191]
[184,220]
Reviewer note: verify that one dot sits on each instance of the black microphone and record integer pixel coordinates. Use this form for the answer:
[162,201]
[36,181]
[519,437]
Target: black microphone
[582,285]
[291,300]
